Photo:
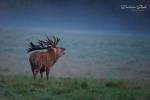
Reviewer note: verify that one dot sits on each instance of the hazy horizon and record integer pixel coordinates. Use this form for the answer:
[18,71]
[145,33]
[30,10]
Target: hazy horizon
[92,56]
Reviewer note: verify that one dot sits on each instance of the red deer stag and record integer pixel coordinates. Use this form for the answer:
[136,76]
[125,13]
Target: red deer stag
[43,61]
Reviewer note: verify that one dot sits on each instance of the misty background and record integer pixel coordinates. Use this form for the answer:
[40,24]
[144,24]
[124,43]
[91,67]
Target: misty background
[101,39]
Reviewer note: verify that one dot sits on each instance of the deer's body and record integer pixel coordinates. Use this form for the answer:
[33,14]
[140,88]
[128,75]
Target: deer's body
[40,59]
[43,61]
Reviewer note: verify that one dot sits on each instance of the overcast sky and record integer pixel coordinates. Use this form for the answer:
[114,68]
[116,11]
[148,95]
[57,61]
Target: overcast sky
[72,16]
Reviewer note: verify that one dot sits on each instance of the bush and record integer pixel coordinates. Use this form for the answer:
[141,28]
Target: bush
[84,85]
[114,84]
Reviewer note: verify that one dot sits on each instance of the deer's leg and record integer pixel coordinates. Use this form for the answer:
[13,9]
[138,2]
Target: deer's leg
[41,71]
[35,73]
[47,72]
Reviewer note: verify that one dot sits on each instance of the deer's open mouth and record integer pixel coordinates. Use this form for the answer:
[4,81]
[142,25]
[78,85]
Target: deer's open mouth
[64,51]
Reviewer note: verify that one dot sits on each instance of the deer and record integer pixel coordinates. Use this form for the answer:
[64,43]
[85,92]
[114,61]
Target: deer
[42,61]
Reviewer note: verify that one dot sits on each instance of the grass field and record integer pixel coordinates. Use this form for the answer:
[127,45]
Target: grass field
[25,88]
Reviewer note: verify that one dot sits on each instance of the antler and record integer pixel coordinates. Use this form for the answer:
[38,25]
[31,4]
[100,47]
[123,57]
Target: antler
[51,42]
[44,44]
[33,46]
[56,40]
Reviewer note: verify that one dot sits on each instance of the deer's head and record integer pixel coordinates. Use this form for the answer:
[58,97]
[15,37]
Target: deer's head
[49,44]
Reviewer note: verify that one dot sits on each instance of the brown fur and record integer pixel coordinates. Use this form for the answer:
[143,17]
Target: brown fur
[43,61]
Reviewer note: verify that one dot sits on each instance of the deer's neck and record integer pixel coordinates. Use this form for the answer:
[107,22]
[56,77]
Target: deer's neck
[53,55]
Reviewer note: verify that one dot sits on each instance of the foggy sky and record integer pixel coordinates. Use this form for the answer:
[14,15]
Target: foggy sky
[75,16]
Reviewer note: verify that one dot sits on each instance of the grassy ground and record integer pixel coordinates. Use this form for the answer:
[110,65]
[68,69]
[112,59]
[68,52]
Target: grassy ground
[25,88]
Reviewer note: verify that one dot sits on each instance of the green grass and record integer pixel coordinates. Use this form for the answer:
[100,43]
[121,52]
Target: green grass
[25,88]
